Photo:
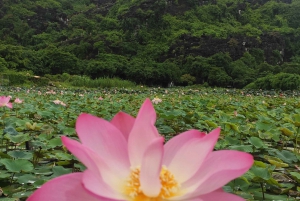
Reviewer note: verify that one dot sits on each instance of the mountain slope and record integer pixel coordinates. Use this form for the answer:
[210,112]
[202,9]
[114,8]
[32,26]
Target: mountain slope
[222,42]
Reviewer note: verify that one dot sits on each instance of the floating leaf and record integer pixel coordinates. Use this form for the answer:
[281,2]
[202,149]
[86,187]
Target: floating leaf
[27,178]
[258,143]
[10,130]
[264,126]
[39,183]
[245,148]
[165,129]
[63,156]
[265,135]
[276,161]
[242,183]
[43,171]
[296,176]
[297,120]
[17,165]
[260,164]
[55,142]
[20,154]
[272,181]
[20,138]
[68,131]
[59,170]
[45,114]
[262,173]
[284,155]
[211,124]
[4,174]
[286,132]
[232,126]
[22,194]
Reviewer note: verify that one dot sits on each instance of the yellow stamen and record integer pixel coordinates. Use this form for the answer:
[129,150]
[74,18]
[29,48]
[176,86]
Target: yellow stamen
[170,186]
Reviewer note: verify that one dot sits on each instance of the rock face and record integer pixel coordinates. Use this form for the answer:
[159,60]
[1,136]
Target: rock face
[236,46]
[206,46]
[103,6]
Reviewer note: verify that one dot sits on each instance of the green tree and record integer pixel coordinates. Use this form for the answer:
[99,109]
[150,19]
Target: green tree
[3,64]
[241,74]
[56,61]
[218,77]
[221,60]
[97,69]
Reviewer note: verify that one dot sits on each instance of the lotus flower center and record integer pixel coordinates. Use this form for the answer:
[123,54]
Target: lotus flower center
[170,186]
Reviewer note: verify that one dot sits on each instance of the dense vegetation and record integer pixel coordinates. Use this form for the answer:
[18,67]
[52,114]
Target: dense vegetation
[263,123]
[220,42]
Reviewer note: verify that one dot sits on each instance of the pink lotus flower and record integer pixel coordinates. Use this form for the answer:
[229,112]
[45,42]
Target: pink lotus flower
[57,101]
[19,101]
[235,113]
[156,100]
[4,101]
[126,159]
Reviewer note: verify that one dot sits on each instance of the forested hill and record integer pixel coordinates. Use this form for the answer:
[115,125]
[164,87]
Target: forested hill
[221,42]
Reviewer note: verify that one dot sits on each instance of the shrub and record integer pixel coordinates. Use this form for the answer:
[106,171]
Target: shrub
[39,81]
[283,81]
[84,81]
[15,78]
[187,79]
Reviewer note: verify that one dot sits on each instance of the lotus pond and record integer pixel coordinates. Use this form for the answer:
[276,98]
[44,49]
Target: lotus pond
[263,123]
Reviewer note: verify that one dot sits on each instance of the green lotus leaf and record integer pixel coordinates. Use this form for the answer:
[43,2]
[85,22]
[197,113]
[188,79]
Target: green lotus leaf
[4,174]
[20,138]
[17,165]
[20,154]
[27,178]
[262,173]
[245,148]
[278,164]
[296,176]
[10,130]
[285,156]
[258,143]
[286,132]
[211,124]
[55,142]
[59,170]
[64,156]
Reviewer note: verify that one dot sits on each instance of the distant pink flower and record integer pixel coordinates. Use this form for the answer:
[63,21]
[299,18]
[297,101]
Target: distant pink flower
[4,101]
[100,98]
[235,113]
[156,100]
[126,159]
[57,102]
[51,92]
[17,100]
